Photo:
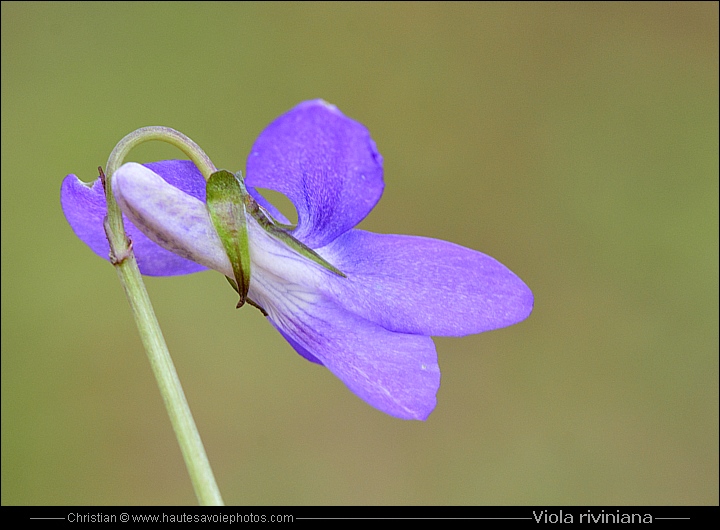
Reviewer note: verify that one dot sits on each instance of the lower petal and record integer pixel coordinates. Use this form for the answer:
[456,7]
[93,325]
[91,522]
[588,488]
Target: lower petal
[299,349]
[396,373]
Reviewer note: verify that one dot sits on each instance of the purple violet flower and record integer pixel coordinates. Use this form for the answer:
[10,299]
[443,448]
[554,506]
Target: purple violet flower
[372,327]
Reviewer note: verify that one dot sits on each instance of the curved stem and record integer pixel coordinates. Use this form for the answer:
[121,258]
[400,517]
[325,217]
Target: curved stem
[123,259]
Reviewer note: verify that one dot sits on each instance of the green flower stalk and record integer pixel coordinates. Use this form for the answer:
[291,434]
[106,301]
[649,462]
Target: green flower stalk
[122,257]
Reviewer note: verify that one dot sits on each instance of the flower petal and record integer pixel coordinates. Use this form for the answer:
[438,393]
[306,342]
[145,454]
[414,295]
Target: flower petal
[325,163]
[84,208]
[412,284]
[173,219]
[396,373]
[299,349]
[181,174]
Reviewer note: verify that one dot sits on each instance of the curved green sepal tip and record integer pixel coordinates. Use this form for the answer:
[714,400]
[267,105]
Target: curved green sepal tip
[226,205]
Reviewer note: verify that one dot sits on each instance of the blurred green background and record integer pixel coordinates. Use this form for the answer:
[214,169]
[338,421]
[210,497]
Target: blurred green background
[576,143]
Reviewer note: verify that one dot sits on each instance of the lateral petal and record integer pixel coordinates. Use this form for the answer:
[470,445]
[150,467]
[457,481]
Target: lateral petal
[412,284]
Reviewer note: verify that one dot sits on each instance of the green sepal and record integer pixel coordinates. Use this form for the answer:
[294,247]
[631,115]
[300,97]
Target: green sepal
[234,285]
[226,200]
[265,222]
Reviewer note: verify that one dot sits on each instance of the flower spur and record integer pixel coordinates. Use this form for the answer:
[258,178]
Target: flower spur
[369,321]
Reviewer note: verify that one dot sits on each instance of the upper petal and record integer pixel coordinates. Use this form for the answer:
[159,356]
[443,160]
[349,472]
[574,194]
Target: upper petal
[420,285]
[325,163]
[85,209]
[269,207]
